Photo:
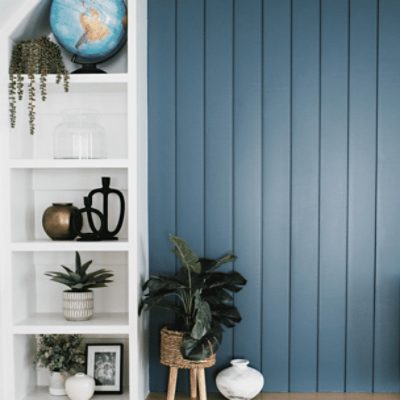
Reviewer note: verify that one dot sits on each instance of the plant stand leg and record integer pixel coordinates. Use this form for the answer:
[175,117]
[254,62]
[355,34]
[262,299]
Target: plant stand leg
[193,384]
[173,376]
[201,378]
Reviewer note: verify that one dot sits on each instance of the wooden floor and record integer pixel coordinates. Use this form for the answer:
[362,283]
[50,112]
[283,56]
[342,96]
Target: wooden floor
[297,396]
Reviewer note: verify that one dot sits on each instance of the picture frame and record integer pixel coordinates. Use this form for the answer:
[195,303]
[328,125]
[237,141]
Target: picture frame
[104,363]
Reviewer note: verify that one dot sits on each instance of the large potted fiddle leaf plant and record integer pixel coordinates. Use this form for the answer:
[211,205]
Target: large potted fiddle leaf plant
[201,299]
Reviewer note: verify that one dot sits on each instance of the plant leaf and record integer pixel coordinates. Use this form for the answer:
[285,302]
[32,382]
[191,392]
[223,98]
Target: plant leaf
[77,263]
[202,318]
[188,257]
[67,269]
[197,350]
[85,267]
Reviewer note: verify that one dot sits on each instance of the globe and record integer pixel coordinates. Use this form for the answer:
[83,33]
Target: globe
[92,30]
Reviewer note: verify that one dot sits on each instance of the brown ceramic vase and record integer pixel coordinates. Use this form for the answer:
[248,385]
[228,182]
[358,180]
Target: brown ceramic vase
[57,221]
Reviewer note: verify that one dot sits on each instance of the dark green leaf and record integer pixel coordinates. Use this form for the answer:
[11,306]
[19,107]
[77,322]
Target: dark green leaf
[78,263]
[197,350]
[67,269]
[202,320]
[188,257]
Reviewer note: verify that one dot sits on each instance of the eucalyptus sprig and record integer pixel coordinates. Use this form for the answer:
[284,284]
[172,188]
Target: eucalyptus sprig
[60,353]
[37,56]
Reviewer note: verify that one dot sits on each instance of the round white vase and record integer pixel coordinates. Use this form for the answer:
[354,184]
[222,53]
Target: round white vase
[80,387]
[240,382]
[57,383]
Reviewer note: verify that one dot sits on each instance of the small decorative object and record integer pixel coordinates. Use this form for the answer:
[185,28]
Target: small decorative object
[36,56]
[104,364]
[61,355]
[93,31]
[57,221]
[57,383]
[240,381]
[203,304]
[102,231]
[79,136]
[80,387]
[79,300]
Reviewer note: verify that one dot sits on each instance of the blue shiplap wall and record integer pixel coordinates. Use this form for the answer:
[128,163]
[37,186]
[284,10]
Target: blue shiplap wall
[275,132]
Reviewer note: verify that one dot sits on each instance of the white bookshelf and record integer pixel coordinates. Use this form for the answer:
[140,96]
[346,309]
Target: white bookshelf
[31,180]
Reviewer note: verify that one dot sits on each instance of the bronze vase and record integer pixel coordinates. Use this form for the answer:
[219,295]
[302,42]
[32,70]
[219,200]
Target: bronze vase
[57,221]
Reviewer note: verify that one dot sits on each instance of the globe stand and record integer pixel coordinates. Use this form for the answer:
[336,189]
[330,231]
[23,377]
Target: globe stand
[86,68]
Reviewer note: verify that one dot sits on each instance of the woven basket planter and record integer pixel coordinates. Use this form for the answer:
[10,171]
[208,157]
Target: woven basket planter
[78,306]
[171,355]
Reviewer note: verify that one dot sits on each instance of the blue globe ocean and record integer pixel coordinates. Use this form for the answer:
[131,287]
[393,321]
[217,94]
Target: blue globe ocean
[93,30]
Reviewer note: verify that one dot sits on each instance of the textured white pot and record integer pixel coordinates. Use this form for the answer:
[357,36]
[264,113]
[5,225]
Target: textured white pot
[57,383]
[240,382]
[80,387]
[78,306]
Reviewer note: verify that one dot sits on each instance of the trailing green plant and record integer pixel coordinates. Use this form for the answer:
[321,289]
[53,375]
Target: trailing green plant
[37,56]
[200,296]
[79,280]
[60,353]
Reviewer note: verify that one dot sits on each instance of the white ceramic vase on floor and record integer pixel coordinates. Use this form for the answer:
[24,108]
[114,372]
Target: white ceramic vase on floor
[80,387]
[57,383]
[240,382]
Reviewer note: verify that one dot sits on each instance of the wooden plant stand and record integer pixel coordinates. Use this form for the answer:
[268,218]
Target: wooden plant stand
[197,383]
[171,357]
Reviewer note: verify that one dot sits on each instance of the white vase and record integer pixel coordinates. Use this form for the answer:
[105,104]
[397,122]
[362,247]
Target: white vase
[57,383]
[78,306]
[240,382]
[80,387]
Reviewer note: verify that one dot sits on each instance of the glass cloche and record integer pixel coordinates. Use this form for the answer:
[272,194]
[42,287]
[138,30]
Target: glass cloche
[79,136]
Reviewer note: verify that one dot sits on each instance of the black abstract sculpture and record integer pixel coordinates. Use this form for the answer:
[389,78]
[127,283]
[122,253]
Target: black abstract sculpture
[101,231]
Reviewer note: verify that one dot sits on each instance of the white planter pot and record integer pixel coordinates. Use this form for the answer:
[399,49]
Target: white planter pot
[240,382]
[80,387]
[57,383]
[78,306]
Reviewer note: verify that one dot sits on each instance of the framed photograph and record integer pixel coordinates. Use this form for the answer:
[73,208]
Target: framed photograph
[104,364]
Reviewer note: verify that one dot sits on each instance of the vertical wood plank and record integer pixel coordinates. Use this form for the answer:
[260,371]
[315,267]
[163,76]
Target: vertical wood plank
[387,317]
[333,195]
[219,146]
[361,229]
[190,129]
[276,194]
[161,89]
[190,122]
[247,174]
[305,192]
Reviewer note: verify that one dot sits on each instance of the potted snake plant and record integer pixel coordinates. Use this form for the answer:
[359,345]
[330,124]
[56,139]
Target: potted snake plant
[79,299]
[201,298]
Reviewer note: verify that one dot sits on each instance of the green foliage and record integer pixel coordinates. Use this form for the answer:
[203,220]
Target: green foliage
[79,280]
[36,56]
[200,297]
[60,353]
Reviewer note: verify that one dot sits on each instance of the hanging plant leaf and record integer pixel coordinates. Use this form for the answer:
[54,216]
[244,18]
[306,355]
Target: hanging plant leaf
[31,57]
